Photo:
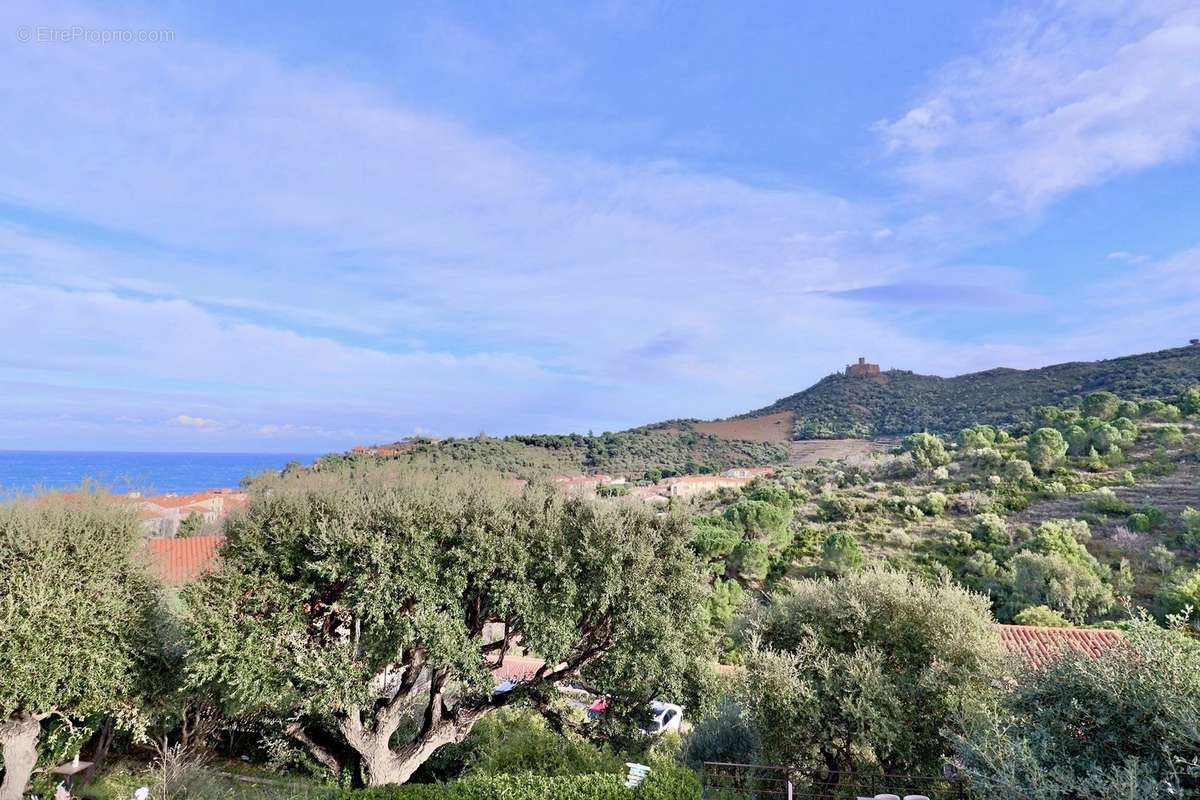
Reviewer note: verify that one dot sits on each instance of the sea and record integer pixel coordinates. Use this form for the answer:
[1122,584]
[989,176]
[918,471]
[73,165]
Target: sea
[24,471]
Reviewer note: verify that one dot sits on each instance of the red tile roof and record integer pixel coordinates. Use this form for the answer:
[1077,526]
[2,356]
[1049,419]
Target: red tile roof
[516,668]
[178,561]
[1038,646]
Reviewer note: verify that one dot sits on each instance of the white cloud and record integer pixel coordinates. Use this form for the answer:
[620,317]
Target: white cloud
[200,423]
[1072,94]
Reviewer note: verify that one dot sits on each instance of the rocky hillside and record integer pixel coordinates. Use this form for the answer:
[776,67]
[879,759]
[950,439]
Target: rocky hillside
[899,402]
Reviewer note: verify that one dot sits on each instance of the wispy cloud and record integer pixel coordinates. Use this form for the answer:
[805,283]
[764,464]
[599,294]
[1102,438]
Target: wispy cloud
[1071,94]
[199,423]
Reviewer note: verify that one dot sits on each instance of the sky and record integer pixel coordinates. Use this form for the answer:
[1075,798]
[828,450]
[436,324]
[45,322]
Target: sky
[298,227]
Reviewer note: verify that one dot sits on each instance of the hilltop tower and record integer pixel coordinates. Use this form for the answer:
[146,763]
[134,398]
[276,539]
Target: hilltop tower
[862,369]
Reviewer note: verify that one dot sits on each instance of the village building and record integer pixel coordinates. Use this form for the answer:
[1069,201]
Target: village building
[161,515]
[691,485]
[862,369]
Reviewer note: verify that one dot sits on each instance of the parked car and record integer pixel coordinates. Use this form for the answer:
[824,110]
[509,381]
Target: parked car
[660,717]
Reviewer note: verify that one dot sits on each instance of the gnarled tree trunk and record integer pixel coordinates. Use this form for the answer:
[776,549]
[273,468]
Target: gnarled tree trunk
[18,749]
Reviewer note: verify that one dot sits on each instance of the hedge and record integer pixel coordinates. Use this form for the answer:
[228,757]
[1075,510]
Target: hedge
[669,783]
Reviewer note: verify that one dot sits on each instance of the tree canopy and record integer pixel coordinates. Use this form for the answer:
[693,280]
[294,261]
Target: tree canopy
[366,615]
[76,611]
[1126,724]
[867,673]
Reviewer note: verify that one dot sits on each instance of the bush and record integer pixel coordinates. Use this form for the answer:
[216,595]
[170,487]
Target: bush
[726,736]
[869,671]
[1105,501]
[1139,522]
[928,451]
[934,504]
[841,552]
[1042,617]
[663,783]
[1121,725]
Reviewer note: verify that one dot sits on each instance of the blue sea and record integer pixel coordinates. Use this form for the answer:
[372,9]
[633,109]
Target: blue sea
[149,473]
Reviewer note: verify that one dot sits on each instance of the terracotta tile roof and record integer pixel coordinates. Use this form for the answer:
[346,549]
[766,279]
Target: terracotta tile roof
[1038,646]
[178,561]
[516,668]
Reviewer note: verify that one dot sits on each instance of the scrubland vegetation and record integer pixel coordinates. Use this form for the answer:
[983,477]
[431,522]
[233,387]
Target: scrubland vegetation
[836,620]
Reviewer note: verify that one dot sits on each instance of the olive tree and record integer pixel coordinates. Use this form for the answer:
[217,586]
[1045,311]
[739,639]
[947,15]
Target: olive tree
[868,672]
[76,610]
[1124,724]
[367,614]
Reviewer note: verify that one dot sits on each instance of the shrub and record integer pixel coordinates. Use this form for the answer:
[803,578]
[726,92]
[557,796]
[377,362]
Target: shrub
[1161,559]
[752,559]
[1018,470]
[1169,436]
[1105,501]
[663,783]
[1139,522]
[726,736]
[934,504]
[1041,616]
[841,552]
[871,669]
[991,530]
[928,451]
[1180,595]
[834,507]
[1121,725]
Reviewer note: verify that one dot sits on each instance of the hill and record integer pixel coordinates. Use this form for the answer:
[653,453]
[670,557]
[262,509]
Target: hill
[669,448]
[900,402]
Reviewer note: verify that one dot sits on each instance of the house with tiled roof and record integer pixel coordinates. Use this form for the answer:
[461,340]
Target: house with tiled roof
[1038,646]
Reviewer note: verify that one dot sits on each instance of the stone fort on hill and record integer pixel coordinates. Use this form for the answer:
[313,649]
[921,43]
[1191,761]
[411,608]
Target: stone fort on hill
[862,369]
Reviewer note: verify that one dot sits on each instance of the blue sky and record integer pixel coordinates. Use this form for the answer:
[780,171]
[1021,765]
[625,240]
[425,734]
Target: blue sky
[291,228]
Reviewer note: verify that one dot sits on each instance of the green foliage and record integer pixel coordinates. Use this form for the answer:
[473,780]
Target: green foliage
[834,507]
[868,673]
[519,741]
[663,783]
[1122,725]
[1046,449]
[1102,404]
[327,583]
[76,606]
[1189,401]
[1129,409]
[715,539]
[726,737]
[1168,436]
[1139,522]
[977,437]
[934,504]
[1180,596]
[1018,470]
[928,451]
[841,552]
[757,517]
[991,530]
[768,491]
[752,559]
[726,599]
[190,525]
[900,402]
[1105,501]
[1041,616]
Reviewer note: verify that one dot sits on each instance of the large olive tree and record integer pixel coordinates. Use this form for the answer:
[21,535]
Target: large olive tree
[367,613]
[75,607]
[868,674]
